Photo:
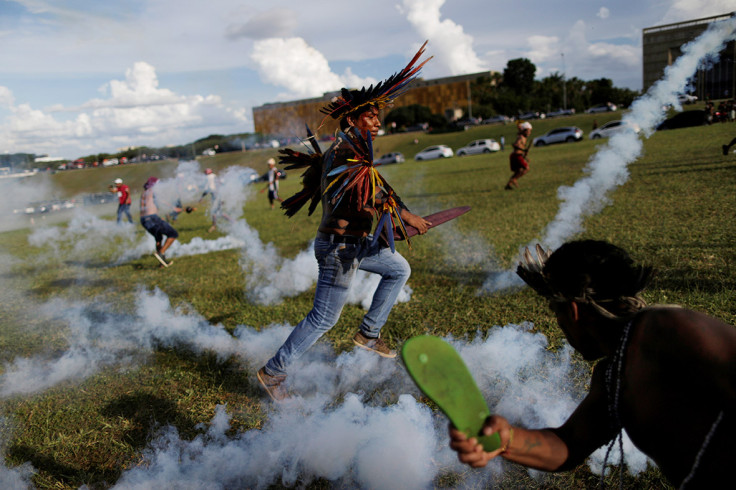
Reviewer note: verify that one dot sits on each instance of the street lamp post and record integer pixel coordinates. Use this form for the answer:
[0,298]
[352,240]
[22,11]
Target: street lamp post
[564,84]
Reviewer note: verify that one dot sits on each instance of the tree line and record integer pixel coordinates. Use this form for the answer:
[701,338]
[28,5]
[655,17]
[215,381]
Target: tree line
[516,91]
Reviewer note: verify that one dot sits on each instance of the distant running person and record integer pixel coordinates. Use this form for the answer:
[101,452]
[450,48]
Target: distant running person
[517,160]
[154,225]
[124,199]
[273,182]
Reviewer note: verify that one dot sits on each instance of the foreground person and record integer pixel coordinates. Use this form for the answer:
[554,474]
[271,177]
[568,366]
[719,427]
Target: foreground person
[342,181]
[666,374]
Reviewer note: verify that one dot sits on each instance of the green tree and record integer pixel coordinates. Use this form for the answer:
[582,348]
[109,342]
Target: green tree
[408,115]
[518,76]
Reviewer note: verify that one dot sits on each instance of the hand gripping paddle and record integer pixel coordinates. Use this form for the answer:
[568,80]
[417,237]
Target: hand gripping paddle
[439,371]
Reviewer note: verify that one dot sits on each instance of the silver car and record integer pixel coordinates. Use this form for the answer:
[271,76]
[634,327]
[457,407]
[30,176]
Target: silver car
[613,127]
[479,146]
[433,152]
[567,134]
[395,157]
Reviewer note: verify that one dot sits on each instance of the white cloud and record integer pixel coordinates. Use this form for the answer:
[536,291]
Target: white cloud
[543,48]
[300,68]
[682,10]
[583,58]
[450,45]
[136,112]
[6,97]
[603,13]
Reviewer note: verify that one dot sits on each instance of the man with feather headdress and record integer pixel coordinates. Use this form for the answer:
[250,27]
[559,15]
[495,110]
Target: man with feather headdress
[352,193]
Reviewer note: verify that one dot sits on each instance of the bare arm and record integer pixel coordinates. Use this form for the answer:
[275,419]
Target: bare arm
[421,224]
[545,449]
[541,449]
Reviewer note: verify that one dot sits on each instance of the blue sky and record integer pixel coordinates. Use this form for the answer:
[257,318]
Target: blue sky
[93,76]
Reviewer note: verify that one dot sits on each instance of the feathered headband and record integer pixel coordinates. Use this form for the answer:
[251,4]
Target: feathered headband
[380,95]
[531,270]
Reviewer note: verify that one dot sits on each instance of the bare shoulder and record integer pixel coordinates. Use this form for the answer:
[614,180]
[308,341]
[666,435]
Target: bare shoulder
[687,329]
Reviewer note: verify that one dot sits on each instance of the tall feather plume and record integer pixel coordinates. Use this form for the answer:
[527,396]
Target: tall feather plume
[380,95]
[531,269]
[312,162]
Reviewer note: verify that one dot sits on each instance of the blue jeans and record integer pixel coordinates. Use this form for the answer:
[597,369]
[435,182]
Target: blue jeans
[338,263]
[124,208]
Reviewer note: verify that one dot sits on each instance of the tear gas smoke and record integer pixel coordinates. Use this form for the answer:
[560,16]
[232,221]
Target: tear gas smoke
[87,235]
[311,437]
[608,167]
[271,278]
[17,194]
[378,423]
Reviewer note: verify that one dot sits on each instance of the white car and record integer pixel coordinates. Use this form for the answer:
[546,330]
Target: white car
[607,107]
[567,134]
[433,152]
[395,157]
[613,127]
[687,99]
[479,146]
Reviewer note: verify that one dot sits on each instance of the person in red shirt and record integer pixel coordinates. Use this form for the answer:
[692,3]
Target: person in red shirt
[124,201]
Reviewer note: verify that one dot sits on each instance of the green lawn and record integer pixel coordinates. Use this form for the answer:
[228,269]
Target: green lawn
[676,212]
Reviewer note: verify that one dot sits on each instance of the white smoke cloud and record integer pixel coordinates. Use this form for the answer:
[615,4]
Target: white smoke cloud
[300,68]
[310,436]
[378,423]
[608,167]
[270,278]
[16,194]
[603,13]
[451,46]
[136,112]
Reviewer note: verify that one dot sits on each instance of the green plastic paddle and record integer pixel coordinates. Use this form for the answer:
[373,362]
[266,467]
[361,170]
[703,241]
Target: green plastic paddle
[439,371]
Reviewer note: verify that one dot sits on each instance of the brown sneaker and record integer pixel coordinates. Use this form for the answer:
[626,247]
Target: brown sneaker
[375,345]
[273,385]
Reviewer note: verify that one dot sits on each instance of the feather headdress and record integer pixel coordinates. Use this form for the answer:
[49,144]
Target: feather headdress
[312,162]
[624,300]
[380,95]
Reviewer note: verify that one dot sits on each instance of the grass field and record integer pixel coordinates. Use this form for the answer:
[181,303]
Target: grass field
[675,212]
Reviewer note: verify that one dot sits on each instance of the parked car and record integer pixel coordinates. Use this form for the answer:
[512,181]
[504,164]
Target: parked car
[531,115]
[687,99]
[607,107]
[561,112]
[395,157]
[683,120]
[566,134]
[432,152]
[613,127]
[479,146]
[496,119]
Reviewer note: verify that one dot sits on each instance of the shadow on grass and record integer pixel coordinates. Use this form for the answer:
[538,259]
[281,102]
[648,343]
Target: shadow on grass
[690,168]
[63,283]
[68,474]
[147,412]
[232,375]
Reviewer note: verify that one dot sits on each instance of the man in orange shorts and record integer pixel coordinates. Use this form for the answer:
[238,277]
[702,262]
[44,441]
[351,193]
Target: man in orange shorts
[517,159]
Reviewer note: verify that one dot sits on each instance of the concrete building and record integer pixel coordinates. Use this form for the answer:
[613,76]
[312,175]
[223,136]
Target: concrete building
[662,45]
[448,96]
